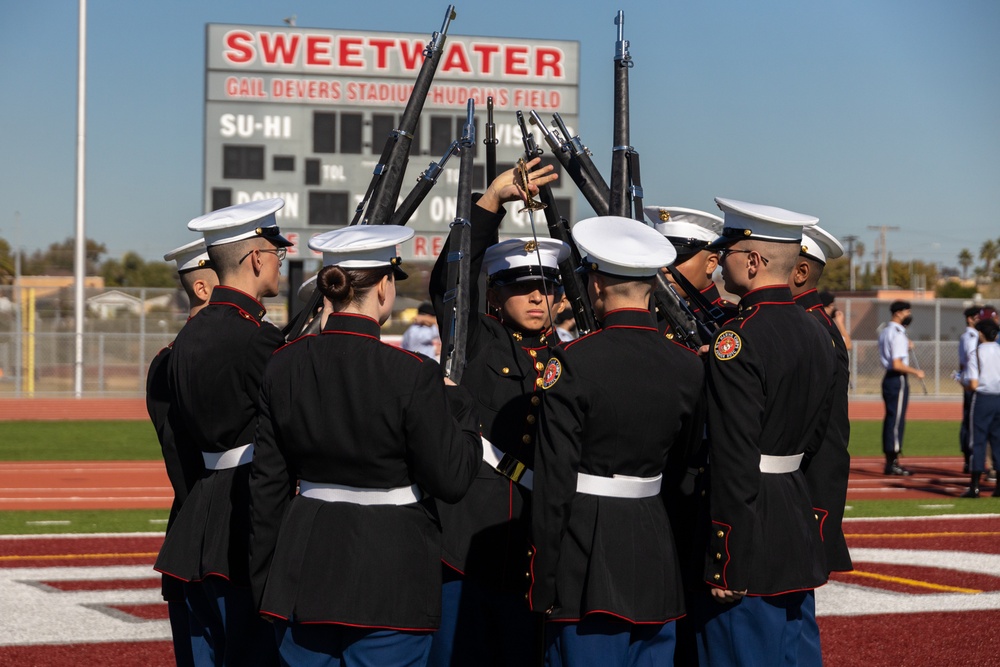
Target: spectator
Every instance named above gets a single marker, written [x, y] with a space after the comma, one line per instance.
[836, 315]
[966, 343]
[894, 350]
[422, 336]
[566, 325]
[983, 370]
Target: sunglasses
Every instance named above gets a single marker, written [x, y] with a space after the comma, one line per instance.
[280, 253]
[725, 252]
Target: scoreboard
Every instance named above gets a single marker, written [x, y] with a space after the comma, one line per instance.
[304, 114]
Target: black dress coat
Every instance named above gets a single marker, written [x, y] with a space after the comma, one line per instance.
[620, 401]
[214, 374]
[771, 378]
[341, 407]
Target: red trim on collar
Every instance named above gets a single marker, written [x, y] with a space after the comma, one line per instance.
[238, 291]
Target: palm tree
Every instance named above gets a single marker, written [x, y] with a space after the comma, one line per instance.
[988, 253]
[965, 261]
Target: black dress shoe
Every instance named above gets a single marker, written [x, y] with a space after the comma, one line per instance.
[897, 470]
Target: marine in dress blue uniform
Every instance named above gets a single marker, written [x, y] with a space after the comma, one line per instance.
[770, 380]
[605, 571]
[691, 232]
[183, 463]
[214, 374]
[487, 548]
[894, 353]
[828, 469]
[349, 569]
[983, 373]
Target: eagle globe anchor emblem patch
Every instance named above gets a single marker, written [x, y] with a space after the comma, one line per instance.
[551, 374]
[727, 346]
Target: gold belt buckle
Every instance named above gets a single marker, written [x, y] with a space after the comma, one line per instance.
[511, 468]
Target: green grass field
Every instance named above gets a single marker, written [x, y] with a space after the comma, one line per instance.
[136, 440]
[78, 441]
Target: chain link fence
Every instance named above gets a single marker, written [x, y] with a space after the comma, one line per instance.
[126, 327]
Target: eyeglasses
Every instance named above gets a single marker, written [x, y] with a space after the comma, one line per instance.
[280, 253]
[724, 252]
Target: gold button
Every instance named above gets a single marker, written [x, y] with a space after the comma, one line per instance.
[533, 353]
[526, 439]
[718, 556]
[505, 370]
[720, 534]
[530, 553]
[703, 492]
[527, 575]
[539, 365]
[816, 516]
[717, 577]
[539, 381]
[541, 339]
[531, 419]
[701, 470]
[535, 400]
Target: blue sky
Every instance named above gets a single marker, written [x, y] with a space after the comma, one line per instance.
[861, 112]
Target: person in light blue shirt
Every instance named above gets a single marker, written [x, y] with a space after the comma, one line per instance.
[422, 336]
[983, 372]
[966, 343]
[894, 350]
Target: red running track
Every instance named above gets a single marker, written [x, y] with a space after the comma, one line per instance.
[60, 485]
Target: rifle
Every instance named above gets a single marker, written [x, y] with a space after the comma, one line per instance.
[576, 291]
[427, 180]
[714, 316]
[491, 143]
[624, 158]
[305, 321]
[383, 191]
[575, 160]
[454, 333]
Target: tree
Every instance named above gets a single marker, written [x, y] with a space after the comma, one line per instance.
[988, 253]
[133, 271]
[965, 261]
[6, 263]
[58, 259]
[836, 276]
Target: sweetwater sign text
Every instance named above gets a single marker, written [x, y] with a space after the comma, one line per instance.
[304, 114]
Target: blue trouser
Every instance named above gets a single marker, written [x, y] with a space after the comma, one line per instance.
[180, 631]
[896, 394]
[604, 641]
[225, 626]
[964, 432]
[331, 645]
[985, 426]
[810, 653]
[480, 626]
[757, 631]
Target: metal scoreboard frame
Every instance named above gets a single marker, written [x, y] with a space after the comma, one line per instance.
[304, 113]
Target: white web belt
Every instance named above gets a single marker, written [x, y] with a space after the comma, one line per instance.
[618, 486]
[507, 465]
[777, 465]
[231, 458]
[341, 493]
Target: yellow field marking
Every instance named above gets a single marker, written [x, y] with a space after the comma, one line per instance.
[985, 533]
[143, 554]
[913, 582]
